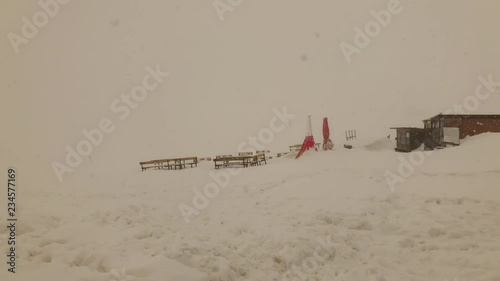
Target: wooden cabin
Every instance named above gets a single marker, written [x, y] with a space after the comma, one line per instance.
[468, 124]
[449, 129]
[445, 130]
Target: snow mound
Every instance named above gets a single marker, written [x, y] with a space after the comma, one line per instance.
[381, 144]
[477, 154]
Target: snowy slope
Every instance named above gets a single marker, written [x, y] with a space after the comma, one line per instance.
[268, 220]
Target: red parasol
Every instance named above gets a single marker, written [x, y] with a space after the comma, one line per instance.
[308, 141]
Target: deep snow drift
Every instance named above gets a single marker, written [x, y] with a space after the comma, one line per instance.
[440, 224]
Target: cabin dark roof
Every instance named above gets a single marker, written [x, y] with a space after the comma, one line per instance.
[411, 128]
[465, 116]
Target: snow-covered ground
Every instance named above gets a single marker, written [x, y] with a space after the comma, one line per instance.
[327, 216]
[442, 223]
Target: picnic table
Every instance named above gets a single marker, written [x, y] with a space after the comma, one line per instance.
[239, 161]
[170, 164]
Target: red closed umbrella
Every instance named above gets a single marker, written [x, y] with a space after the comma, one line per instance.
[326, 129]
[327, 143]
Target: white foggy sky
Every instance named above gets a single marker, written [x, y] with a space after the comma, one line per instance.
[226, 77]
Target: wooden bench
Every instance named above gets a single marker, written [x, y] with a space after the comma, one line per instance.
[239, 161]
[170, 164]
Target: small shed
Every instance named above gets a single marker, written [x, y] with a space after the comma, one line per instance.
[409, 138]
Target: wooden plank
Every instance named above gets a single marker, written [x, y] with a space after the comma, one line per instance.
[223, 156]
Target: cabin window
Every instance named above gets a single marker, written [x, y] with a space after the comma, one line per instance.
[404, 137]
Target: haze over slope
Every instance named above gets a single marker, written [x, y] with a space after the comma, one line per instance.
[227, 76]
